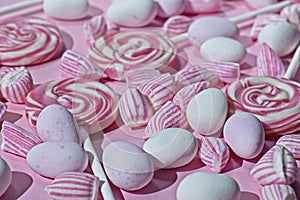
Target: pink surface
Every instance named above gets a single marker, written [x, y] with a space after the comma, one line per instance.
[28, 185]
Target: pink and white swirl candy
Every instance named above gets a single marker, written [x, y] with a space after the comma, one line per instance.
[135, 108]
[94, 28]
[137, 77]
[74, 186]
[292, 13]
[177, 24]
[292, 143]
[74, 64]
[124, 51]
[29, 42]
[3, 108]
[15, 84]
[275, 102]
[278, 192]
[269, 63]
[214, 153]
[16, 140]
[168, 116]
[93, 104]
[277, 166]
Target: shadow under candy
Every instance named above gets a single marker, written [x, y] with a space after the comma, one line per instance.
[248, 196]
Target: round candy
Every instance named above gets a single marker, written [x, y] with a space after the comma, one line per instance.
[29, 42]
[130, 50]
[202, 6]
[260, 3]
[5, 176]
[93, 104]
[167, 8]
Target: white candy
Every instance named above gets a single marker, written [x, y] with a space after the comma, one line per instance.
[5, 176]
[169, 8]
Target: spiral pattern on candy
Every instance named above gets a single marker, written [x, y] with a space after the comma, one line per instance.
[130, 50]
[29, 42]
[275, 102]
[93, 104]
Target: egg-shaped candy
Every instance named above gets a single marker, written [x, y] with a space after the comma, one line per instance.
[5, 176]
[260, 3]
[202, 6]
[50, 159]
[127, 165]
[208, 186]
[169, 8]
[206, 112]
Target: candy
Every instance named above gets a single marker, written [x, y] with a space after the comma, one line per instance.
[3, 108]
[202, 6]
[135, 78]
[278, 192]
[5, 176]
[291, 12]
[275, 102]
[260, 3]
[292, 143]
[94, 28]
[74, 185]
[16, 140]
[268, 63]
[15, 84]
[74, 64]
[168, 116]
[177, 24]
[214, 153]
[29, 42]
[168, 8]
[135, 109]
[125, 51]
[277, 166]
[93, 104]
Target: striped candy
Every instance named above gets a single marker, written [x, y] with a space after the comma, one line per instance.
[3, 108]
[94, 28]
[277, 166]
[292, 143]
[74, 186]
[228, 72]
[135, 78]
[214, 153]
[74, 64]
[291, 12]
[135, 108]
[16, 140]
[168, 116]
[15, 84]
[185, 94]
[278, 192]
[176, 25]
[159, 89]
[269, 63]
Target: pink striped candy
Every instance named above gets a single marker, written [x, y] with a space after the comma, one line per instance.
[292, 143]
[177, 24]
[277, 166]
[214, 153]
[193, 74]
[94, 28]
[16, 140]
[185, 94]
[3, 108]
[269, 63]
[74, 186]
[292, 13]
[15, 84]
[159, 89]
[168, 116]
[228, 72]
[135, 108]
[74, 64]
[262, 20]
[135, 78]
[278, 192]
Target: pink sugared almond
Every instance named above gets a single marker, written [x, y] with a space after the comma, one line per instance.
[193, 74]
[278, 192]
[3, 108]
[74, 186]
[15, 84]
[135, 108]
[262, 20]
[168, 116]
[176, 25]
[16, 140]
[94, 28]
[269, 63]
[159, 89]
[292, 143]
[74, 64]
[185, 94]
[134, 78]
[277, 166]
[214, 153]
[228, 72]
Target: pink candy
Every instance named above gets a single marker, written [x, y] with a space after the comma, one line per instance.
[202, 6]
[292, 143]
[3, 109]
[177, 24]
[291, 12]
[94, 28]
[135, 78]
[278, 192]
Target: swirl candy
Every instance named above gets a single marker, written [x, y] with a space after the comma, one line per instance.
[275, 102]
[130, 50]
[93, 104]
[29, 42]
